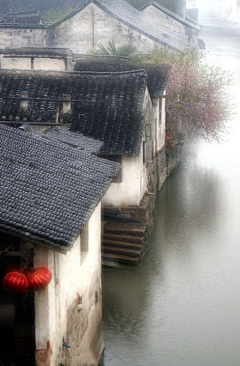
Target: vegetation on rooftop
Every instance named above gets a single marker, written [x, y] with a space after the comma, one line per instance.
[127, 50]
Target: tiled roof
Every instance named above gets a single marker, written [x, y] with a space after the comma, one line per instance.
[172, 14]
[21, 18]
[105, 106]
[37, 51]
[132, 17]
[157, 75]
[48, 189]
[76, 140]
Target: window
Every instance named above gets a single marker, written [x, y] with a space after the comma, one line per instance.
[148, 151]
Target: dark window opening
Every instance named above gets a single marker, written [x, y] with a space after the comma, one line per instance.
[17, 320]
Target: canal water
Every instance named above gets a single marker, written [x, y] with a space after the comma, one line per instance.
[181, 305]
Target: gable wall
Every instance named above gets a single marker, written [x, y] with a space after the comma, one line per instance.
[128, 192]
[91, 27]
[82, 33]
[57, 314]
[172, 24]
[135, 175]
[163, 18]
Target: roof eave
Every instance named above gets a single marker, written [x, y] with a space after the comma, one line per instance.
[169, 12]
[35, 239]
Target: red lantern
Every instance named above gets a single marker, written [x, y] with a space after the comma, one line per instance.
[15, 282]
[39, 278]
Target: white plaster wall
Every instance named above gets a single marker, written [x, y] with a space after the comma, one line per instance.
[144, 175]
[82, 33]
[156, 115]
[19, 37]
[128, 192]
[56, 307]
[47, 63]
[162, 130]
[91, 27]
[164, 19]
[134, 172]
[39, 63]
[20, 63]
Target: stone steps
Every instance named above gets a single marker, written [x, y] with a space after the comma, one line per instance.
[120, 227]
[109, 258]
[122, 242]
[123, 237]
[122, 251]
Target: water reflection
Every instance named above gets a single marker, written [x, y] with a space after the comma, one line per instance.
[180, 307]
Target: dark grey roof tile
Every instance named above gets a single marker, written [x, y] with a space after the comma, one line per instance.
[106, 106]
[157, 75]
[48, 191]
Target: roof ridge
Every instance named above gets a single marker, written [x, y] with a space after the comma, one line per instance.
[170, 12]
[46, 72]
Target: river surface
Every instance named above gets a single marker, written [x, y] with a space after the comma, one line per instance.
[181, 305]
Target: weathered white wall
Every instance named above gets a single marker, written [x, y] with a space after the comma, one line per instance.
[156, 117]
[20, 63]
[88, 28]
[32, 62]
[14, 37]
[81, 33]
[92, 26]
[57, 313]
[160, 112]
[162, 130]
[134, 172]
[172, 24]
[159, 16]
[47, 63]
[128, 192]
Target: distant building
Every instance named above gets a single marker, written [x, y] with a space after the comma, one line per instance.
[183, 25]
[31, 17]
[94, 22]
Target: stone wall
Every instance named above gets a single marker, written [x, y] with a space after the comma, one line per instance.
[173, 156]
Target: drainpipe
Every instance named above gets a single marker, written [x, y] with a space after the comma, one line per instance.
[92, 30]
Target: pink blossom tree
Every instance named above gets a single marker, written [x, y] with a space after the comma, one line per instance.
[198, 99]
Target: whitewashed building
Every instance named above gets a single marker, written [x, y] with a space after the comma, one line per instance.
[184, 25]
[123, 107]
[129, 118]
[51, 187]
[95, 22]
